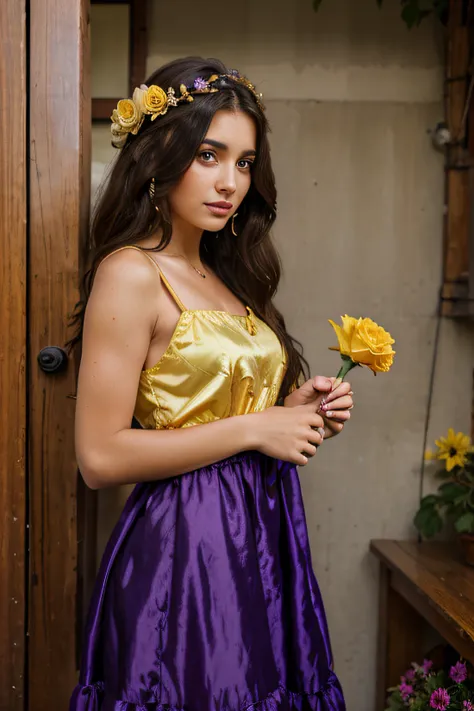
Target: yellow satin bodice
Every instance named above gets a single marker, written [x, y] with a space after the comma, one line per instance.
[216, 365]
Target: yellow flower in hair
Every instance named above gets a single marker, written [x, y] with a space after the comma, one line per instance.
[119, 135]
[155, 101]
[128, 116]
[139, 98]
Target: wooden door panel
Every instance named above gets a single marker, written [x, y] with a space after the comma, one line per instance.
[60, 127]
[12, 352]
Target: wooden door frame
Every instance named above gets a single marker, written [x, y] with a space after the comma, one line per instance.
[13, 324]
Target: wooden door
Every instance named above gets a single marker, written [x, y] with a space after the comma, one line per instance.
[59, 198]
[44, 209]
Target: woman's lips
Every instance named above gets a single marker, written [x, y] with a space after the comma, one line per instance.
[218, 210]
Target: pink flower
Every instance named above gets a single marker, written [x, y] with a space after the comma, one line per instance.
[467, 706]
[426, 666]
[410, 675]
[440, 699]
[458, 673]
[406, 690]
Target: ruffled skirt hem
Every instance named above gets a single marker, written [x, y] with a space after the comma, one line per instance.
[329, 698]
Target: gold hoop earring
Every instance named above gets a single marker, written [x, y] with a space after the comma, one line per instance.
[151, 192]
[233, 225]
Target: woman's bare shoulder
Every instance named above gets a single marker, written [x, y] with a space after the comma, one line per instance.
[129, 264]
[126, 290]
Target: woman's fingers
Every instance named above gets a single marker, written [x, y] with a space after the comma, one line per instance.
[340, 403]
[343, 389]
[340, 415]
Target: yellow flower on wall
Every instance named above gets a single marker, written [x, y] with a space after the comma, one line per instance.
[454, 449]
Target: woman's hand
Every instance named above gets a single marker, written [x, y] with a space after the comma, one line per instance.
[333, 405]
[291, 434]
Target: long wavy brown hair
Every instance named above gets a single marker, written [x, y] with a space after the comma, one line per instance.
[164, 149]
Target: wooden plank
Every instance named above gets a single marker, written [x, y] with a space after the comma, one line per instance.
[382, 640]
[400, 636]
[59, 198]
[453, 634]
[472, 405]
[12, 352]
[440, 577]
[456, 251]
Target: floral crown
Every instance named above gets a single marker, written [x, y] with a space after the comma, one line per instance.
[154, 101]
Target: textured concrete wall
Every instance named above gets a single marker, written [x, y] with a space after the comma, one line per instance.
[350, 96]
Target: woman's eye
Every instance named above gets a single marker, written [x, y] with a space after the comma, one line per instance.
[206, 153]
[210, 156]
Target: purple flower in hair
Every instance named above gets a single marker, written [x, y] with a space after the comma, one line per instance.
[467, 706]
[410, 675]
[200, 83]
[440, 699]
[458, 673]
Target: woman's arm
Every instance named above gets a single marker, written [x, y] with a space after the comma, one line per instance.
[120, 319]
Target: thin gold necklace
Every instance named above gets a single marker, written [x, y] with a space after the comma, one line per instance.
[167, 254]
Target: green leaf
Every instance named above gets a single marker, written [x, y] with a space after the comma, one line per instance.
[429, 500]
[453, 493]
[410, 14]
[465, 524]
[432, 683]
[421, 16]
[428, 521]
[395, 702]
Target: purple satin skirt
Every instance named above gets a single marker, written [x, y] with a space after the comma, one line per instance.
[206, 599]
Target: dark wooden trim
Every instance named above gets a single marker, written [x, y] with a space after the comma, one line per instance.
[102, 107]
[60, 132]
[457, 224]
[13, 365]
[138, 43]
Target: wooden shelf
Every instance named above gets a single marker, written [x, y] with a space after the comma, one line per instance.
[420, 583]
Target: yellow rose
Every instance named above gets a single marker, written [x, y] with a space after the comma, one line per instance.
[365, 343]
[139, 98]
[155, 101]
[119, 135]
[127, 115]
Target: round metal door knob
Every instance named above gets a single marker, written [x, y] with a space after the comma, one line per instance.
[52, 359]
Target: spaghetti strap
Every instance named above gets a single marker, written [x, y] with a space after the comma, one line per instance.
[163, 278]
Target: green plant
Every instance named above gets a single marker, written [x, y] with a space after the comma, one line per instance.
[414, 11]
[455, 497]
[423, 689]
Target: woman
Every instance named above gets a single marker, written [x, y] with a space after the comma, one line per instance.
[205, 598]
